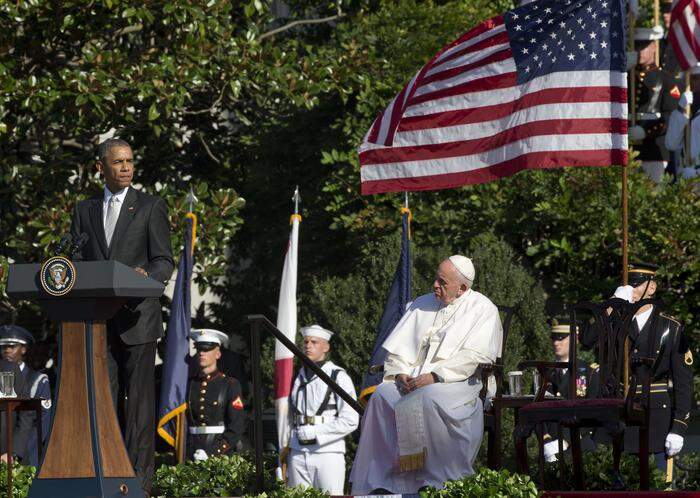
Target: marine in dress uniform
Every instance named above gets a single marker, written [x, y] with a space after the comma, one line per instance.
[14, 344]
[320, 420]
[660, 337]
[215, 414]
[559, 378]
[688, 167]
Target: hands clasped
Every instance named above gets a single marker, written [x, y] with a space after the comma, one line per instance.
[406, 383]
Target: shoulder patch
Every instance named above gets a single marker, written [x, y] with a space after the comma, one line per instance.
[688, 357]
[237, 403]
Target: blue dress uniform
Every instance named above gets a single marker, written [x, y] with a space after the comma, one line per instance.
[586, 380]
[215, 415]
[659, 337]
[672, 383]
[37, 387]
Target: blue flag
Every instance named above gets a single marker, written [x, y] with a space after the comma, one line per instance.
[399, 297]
[173, 392]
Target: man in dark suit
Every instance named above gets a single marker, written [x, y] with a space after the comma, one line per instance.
[131, 227]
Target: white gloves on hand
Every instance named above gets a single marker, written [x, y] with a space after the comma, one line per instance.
[550, 450]
[624, 292]
[686, 99]
[200, 455]
[306, 432]
[674, 444]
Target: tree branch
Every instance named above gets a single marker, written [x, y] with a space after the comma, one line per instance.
[210, 108]
[301, 22]
[206, 148]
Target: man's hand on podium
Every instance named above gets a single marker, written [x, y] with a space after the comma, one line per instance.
[140, 270]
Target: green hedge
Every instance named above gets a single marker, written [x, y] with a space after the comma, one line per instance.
[486, 482]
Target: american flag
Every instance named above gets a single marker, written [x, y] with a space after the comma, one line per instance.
[541, 86]
[684, 32]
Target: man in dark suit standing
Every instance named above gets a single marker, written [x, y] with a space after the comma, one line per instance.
[131, 227]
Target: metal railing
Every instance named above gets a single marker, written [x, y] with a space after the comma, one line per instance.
[257, 323]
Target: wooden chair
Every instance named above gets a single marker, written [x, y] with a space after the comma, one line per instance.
[493, 409]
[610, 407]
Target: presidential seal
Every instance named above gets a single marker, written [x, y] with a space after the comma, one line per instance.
[57, 276]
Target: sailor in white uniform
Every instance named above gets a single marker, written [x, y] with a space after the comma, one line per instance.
[675, 133]
[320, 420]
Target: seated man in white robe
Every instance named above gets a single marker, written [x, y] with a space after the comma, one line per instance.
[424, 423]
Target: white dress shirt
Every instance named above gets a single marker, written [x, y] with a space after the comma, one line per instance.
[119, 199]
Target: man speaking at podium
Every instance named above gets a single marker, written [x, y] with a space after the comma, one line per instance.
[131, 227]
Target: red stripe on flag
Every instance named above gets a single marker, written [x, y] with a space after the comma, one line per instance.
[685, 65]
[284, 369]
[501, 55]
[494, 82]
[497, 39]
[485, 26]
[468, 147]
[535, 160]
[491, 112]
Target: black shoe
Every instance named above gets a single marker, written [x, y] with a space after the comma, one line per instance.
[381, 491]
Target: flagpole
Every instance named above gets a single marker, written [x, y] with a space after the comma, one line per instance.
[688, 160]
[632, 84]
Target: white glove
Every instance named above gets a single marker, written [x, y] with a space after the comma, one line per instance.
[200, 455]
[306, 432]
[674, 444]
[686, 99]
[624, 292]
[550, 450]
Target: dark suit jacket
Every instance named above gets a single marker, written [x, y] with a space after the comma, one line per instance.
[141, 239]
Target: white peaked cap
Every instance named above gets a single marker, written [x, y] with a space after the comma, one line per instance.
[209, 335]
[464, 266]
[316, 331]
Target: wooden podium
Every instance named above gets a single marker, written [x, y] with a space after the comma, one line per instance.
[85, 453]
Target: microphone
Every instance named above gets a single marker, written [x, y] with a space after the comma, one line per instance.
[63, 244]
[78, 243]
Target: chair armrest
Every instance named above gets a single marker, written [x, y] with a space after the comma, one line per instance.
[494, 368]
[542, 364]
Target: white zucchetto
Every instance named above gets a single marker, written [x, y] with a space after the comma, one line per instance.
[464, 266]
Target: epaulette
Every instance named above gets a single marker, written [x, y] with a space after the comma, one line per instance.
[672, 318]
[595, 366]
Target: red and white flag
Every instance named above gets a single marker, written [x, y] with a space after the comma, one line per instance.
[287, 324]
[684, 32]
[540, 86]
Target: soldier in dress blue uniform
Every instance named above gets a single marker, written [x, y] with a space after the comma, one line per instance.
[559, 378]
[214, 406]
[15, 341]
[660, 337]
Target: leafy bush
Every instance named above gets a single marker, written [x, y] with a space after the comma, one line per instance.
[486, 482]
[221, 476]
[21, 479]
[282, 491]
[597, 468]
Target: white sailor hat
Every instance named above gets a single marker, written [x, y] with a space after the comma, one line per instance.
[210, 336]
[316, 331]
[14, 334]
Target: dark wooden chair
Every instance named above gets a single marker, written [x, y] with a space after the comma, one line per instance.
[493, 409]
[610, 408]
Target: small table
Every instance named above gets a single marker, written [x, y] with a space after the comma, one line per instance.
[9, 406]
[503, 402]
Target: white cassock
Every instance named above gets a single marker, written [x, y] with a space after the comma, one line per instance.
[320, 465]
[675, 139]
[432, 434]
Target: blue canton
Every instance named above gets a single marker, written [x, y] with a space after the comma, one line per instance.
[548, 36]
